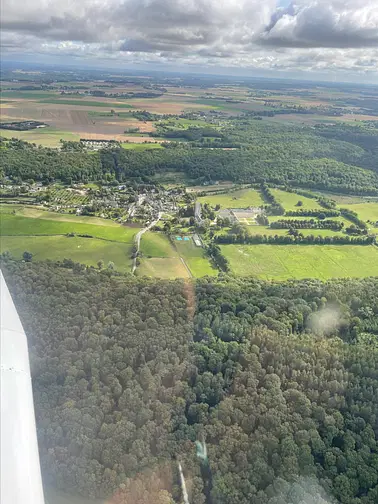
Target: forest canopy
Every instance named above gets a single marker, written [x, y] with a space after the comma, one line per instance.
[315, 158]
[279, 379]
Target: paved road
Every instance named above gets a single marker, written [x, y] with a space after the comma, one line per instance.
[139, 236]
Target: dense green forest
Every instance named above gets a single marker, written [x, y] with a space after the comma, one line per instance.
[315, 158]
[279, 379]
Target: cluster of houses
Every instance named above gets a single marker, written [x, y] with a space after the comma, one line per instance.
[98, 144]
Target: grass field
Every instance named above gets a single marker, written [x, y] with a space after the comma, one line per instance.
[162, 267]
[281, 262]
[289, 200]
[84, 250]
[195, 259]
[27, 95]
[365, 211]
[41, 213]
[48, 137]
[85, 103]
[162, 259]
[141, 146]
[156, 245]
[16, 225]
[234, 199]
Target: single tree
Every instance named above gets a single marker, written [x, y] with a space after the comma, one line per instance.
[27, 256]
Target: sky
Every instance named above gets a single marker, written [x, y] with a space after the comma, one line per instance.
[334, 40]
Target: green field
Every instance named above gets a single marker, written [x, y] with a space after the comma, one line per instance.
[281, 262]
[27, 95]
[85, 103]
[48, 137]
[84, 250]
[242, 198]
[162, 259]
[289, 200]
[141, 146]
[162, 267]
[156, 245]
[16, 225]
[41, 213]
[365, 211]
[195, 259]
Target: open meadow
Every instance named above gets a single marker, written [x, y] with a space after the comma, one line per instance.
[282, 262]
[44, 234]
[15, 225]
[366, 211]
[195, 258]
[83, 250]
[242, 198]
[290, 200]
[162, 258]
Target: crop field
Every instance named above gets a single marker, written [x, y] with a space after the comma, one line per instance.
[290, 200]
[28, 95]
[168, 105]
[242, 198]
[85, 103]
[68, 197]
[16, 225]
[282, 262]
[84, 250]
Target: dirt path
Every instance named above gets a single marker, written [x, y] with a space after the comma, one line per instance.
[186, 267]
[139, 236]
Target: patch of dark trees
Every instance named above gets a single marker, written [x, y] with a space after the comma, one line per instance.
[294, 237]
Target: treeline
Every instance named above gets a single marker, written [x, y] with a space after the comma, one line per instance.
[320, 214]
[255, 165]
[274, 208]
[220, 261]
[353, 217]
[279, 379]
[190, 134]
[293, 238]
[307, 224]
[132, 94]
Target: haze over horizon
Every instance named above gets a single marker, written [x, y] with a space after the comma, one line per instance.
[334, 40]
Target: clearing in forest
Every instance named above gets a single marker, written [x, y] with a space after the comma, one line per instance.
[242, 198]
[289, 200]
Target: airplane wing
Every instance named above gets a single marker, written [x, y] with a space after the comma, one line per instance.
[21, 480]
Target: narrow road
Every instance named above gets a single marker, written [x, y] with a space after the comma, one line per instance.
[139, 236]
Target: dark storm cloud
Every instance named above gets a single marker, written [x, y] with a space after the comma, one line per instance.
[174, 25]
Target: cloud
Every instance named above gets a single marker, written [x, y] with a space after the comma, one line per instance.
[324, 23]
[309, 35]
